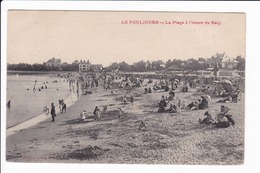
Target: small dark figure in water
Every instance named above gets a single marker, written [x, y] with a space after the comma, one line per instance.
[42, 87]
[8, 104]
[39, 89]
[45, 86]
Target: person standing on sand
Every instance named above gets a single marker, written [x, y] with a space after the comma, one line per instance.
[53, 112]
[34, 85]
[132, 100]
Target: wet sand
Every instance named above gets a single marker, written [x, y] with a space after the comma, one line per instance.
[70, 100]
[168, 138]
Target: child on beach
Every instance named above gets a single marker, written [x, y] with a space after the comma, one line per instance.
[142, 126]
[178, 108]
[83, 115]
[172, 109]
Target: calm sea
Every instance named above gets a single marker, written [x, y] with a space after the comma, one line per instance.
[26, 103]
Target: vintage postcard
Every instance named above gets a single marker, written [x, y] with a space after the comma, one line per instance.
[125, 87]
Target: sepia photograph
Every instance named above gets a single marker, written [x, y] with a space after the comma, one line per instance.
[125, 87]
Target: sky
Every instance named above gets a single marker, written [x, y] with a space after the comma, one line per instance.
[107, 37]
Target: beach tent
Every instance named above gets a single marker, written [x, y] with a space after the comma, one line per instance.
[226, 84]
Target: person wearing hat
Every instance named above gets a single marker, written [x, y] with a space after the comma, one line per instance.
[222, 121]
[203, 103]
[208, 119]
[53, 112]
[224, 111]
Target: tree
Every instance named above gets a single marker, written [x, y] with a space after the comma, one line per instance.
[113, 66]
[148, 66]
[139, 66]
[193, 65]
[241, 63]
[123, 66]
[168, 63]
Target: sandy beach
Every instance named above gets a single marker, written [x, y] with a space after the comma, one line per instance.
[169, 138]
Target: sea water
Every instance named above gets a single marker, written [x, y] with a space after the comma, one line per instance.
[26, 103]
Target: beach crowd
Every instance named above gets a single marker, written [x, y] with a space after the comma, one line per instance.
[226, 90]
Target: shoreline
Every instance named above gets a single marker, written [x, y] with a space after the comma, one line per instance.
[14, 72]
[70, 100]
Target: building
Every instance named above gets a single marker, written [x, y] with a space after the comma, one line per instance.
[96, 67]
[215, 60]
[84, 66]
[88, 67]
[53, 62]
[227, 63]
[221, 61]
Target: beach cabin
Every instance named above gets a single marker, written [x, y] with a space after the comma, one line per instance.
[205, 73]
[227, 74]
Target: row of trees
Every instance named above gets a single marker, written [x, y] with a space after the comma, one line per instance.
[42, 67]
[175, 65]
[141, 66]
